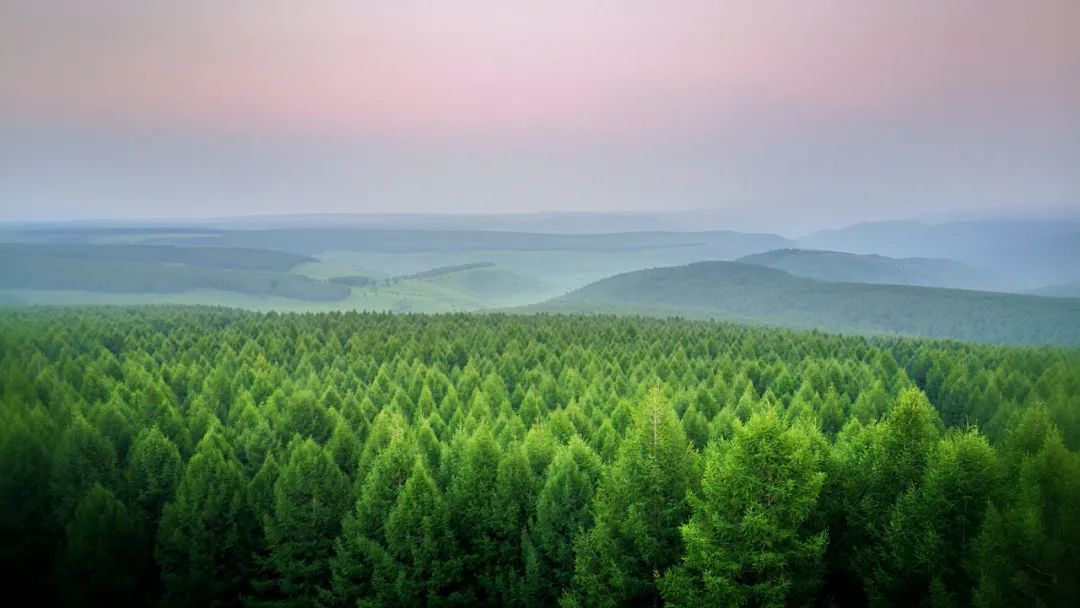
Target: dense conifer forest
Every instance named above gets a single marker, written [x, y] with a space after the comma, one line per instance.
[210, 457]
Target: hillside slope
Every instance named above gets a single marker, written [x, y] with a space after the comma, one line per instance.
[1028, 253]
[743, 292]
[872, 268]
[725, 244]
[130, 269]
[1060, 290]
[209, 257]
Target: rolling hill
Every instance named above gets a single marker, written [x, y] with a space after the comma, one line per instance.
[872, 268]
[312, 241]
[1060, 290]
[75, 274]
[82, 273]
[748, 293]
[209, 257]
[159, 270]
[1027, 253]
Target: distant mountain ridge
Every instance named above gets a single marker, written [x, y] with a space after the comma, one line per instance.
[757, 294]
[1026, 253]
[874, 268]
[1060, 290]
[305, 241]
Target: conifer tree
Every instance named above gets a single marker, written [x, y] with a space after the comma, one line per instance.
[26, 515]
[361, 543]
[205, 540]
[100, 564]
[310, 497]
[476, 513]
[153, 473]
[344, 448]
[1026, 553]
[563, 511]
[422, 564]
[892, 464]
[305, 416]
[82, 458]
[638, 510]
[746, 541]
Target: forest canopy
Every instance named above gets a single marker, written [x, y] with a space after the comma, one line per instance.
[200, 456]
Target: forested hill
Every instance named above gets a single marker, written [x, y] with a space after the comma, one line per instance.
[1062, 290]
[149, 269]
[747, 293]
[1030, 253]
[210, 257]
[212, 457]
[854, 268]
[718, 243]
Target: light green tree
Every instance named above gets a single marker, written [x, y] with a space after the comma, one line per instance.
[747, 542]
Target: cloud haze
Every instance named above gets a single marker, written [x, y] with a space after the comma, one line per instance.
[823, 110]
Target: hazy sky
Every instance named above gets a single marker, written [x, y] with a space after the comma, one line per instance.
[809, 112]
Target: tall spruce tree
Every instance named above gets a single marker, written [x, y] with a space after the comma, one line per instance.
[205, 541]
[311, 496]
[563, 512]
[100, 564]
[638, 510]
[747, 541]
[421, 565]
[361, 543]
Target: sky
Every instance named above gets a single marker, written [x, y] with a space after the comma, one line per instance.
[810, 113]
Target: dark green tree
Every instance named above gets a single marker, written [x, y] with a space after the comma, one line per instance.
[563, 512]
[153, 472]
[100, 564]
[361, 543]
[310, 498]
[420, 565]
[205, 540]
[82, 458]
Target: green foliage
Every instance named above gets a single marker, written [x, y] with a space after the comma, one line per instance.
[210, 257]
[153, 473]
[142, 269]
[205, 541]
[421, 564]
[747, 542]
[99, 564]
[746, 293]
[361, 545]
[26, 516]
[638, 510]
[194, 457]
[563, 512]
[870, 268]
[1027, 552]
[83, 457]
[310, 498]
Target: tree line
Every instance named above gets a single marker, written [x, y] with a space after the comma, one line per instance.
[208, 457]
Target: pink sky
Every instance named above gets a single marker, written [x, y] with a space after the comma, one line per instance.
[511, 69]
[787, 80]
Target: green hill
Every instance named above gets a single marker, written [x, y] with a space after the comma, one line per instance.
[872, 268]
[747, 293]
[313, 241]
[1028, 253]
[210, 257]
[1060, 290]
[131, 269]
